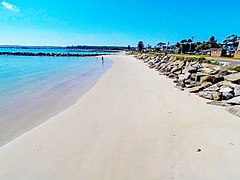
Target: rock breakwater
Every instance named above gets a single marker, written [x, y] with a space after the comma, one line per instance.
[217, 82]
[47, 54]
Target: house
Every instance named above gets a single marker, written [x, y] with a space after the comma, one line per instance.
[237, 53]
[231, 48]
[173, 50]
[216, 52]
[206, 52]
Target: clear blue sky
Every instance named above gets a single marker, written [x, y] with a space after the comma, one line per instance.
[110, 22]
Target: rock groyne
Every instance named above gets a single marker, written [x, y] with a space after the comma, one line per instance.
[47, 54]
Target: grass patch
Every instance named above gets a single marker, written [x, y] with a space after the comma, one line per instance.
[213, 62]
[237, 68]
[180, 58]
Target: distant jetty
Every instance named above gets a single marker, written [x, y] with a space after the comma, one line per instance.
[48, 54]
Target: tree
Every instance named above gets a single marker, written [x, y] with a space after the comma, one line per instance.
[178, 45]
[129, 47]
[189, 41]
[231, 39]
[184, 41]
[140, 46]
[228, 41]
[160, 45]
[184, 45]
[149, 46]
[212, 43]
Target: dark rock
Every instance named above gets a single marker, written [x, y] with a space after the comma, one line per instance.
[212, 79]
[198, 76]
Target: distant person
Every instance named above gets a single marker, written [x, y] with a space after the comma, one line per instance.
[102, 60]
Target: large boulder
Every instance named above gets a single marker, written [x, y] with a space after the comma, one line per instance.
[175, 69]
[196, 65]
[206, 94]
[195, 89]
[206, 70]
[198, 88]
[181, 78]
[233, 78]
[237, 90]
[227, 92]
[227, 95]
[226, 83]
[206, 85]
[212, 88]
[225, 89]
[234, 101]
[198, 76]
[212, 79]
[187, 75]
[212, 95]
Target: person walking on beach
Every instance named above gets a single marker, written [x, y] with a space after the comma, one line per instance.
[102, 60]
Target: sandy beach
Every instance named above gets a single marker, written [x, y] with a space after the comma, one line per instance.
[133, 124]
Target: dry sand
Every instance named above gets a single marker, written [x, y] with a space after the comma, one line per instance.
[131, 125]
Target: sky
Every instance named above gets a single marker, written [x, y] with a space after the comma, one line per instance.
[111, 22]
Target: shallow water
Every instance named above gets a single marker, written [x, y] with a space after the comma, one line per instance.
[33, 89]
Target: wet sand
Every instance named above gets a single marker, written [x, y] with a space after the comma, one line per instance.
[46, 102]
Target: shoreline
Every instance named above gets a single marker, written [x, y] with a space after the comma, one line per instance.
[33, 110]
[132, 124]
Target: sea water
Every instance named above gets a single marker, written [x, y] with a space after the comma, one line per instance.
[54, 50]
[33, 89]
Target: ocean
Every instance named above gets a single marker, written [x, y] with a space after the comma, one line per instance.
[54, 50]
[33, 89]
